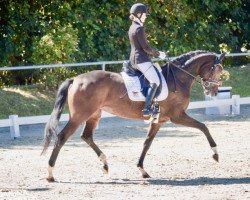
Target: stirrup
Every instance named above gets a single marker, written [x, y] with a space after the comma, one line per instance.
[152, 111]
[147, 112]
[154, 117]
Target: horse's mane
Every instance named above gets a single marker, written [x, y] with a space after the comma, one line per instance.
[180, 60]
[196, 56]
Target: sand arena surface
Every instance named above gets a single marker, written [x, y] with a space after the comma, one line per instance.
[179, 162]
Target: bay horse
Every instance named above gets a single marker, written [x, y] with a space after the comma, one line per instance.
[90, 93]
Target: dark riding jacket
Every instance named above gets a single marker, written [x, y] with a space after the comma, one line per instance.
[140, 49]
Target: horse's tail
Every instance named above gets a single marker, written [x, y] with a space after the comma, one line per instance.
[52, 125]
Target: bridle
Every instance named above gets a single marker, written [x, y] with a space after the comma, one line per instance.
[206, 84]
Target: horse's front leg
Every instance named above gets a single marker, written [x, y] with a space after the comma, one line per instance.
[153, 129]
[186, 120]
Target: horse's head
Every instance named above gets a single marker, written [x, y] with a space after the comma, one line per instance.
[211, 76]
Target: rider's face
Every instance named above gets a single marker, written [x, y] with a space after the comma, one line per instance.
[143, 17]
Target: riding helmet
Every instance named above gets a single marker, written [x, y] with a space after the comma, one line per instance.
[139, 8]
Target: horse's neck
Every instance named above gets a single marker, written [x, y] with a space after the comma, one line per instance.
[180, 61]
[177, 78]
[186, 77]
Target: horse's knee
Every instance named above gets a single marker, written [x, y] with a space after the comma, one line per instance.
[86, 138]
[203, 127]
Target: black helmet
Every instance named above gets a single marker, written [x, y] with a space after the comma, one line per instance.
[139, 8]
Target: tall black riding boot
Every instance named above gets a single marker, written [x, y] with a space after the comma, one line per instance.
[147, 111]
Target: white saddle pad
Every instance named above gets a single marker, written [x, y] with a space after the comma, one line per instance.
[133, 86]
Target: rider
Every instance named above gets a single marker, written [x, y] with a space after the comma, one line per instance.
[140, 51]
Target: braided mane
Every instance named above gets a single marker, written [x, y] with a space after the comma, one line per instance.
[180, 60]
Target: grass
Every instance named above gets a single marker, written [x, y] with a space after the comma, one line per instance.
[240, 80]
[25, 101]
[34, 100]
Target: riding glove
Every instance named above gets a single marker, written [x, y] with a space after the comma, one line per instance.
[162, 55]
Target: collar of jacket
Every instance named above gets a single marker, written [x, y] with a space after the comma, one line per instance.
[136, 20]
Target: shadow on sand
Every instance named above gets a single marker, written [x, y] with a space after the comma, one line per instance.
[178, 182]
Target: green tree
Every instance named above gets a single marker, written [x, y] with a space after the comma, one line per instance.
[85, 30]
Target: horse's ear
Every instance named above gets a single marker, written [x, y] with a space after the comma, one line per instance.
[222, 57]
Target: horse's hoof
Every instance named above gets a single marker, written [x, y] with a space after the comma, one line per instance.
[143, 172]
[145, 175]
[50, 179]
[105, 169]
[216, 157]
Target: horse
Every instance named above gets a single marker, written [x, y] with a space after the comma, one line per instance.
[91, 93]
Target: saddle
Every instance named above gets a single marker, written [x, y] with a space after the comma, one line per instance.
[137, 85]
[131, 71]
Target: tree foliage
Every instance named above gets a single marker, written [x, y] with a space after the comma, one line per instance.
[61, 31]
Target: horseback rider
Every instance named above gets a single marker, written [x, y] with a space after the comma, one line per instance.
[140, 51]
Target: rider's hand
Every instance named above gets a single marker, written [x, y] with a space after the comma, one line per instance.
[162, 55]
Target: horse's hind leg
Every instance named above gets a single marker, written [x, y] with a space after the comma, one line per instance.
[186, 120]
[87, 136]
[62, 137]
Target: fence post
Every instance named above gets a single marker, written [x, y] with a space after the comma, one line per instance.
[103, 66]
[236, 105]
[14, 126]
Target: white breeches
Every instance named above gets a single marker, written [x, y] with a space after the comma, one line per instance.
[149, 72]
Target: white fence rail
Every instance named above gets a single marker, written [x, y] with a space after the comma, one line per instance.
[101, 63]
[14, 121]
